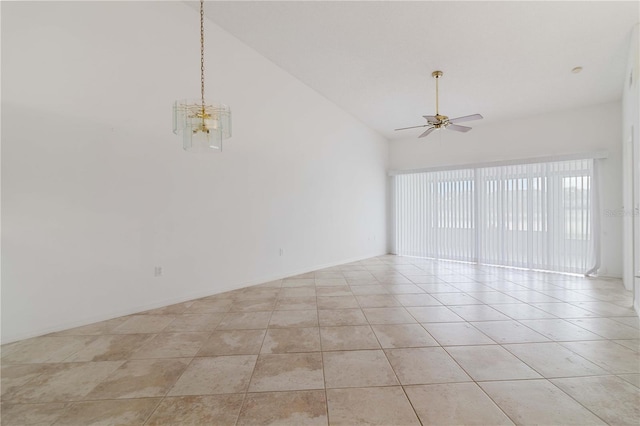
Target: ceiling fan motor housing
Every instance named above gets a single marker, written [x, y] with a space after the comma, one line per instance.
[443, 121]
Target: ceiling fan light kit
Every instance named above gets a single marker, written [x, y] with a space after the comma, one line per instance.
[440, 121]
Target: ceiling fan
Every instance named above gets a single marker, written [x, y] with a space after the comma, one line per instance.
[442, 121]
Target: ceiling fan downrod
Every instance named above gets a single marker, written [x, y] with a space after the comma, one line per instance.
[441, 118]
[436, 75]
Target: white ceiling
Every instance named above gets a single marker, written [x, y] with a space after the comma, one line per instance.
[502, 59]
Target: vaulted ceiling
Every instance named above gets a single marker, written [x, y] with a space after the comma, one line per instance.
[504, 60]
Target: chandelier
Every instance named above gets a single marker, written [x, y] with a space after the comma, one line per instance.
[203, 126]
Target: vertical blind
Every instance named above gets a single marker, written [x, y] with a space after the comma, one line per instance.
[536, 216]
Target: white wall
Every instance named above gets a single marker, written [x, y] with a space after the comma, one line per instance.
[96, 190]
[631, 170]
[595, 128]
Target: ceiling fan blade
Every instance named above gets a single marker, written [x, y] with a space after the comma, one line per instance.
[431, 119]
[426, 133]
[458, 128]
[466, 118]
[412, 127]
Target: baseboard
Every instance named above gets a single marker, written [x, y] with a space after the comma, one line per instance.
[315, 268]
[614, 277]
[172, 301]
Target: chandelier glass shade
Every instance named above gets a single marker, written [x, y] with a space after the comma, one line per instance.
[202, 126]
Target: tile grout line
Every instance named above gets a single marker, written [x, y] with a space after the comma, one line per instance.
[255, 365]
[324, 378]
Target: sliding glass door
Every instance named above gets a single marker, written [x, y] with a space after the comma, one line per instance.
[537, 216]
[435, 215]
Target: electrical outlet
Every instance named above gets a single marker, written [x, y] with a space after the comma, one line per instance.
[157, 271]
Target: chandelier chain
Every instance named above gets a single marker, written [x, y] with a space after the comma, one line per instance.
[202, 53]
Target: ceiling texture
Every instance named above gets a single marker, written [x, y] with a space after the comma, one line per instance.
[504, 60]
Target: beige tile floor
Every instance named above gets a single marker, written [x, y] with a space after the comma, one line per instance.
[388, 340]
